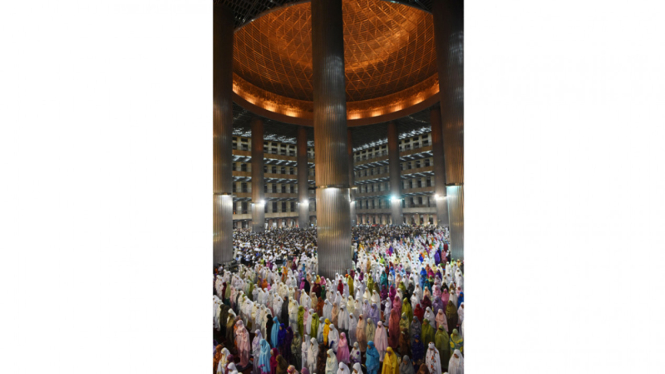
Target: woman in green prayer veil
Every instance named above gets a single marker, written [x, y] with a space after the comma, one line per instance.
[427, 332]
[301, 320]
[407, 309]
[315, 325]
[442, 343]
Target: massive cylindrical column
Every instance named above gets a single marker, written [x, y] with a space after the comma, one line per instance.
[303, 187]
[439, 167]
[352, 192]
[332, 164]
[395, 174]
[448, 19]
[258, 194]
[222, 130]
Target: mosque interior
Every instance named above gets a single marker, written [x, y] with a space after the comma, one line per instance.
[338, 186]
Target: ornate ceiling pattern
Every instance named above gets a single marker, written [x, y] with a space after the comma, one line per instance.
[387, 48]
[390, 60]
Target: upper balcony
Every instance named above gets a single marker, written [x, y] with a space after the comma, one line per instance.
[406, 155]
[412, 154]
[424, 171]
[405, 192]
[268, 158]
[383, 177]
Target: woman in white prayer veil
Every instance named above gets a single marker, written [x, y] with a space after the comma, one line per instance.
[269, 296]
[261, 296]
[248, 304]
[304, 299]
[453, 296]
[256, 351]
[221, 367]
[284, 291]
[358, 286]
[331, 363]
[339, 298]
[433, 359]
[429, 315]
[459, 279]
[319, 333]
[366, 294]
[353, 324]
[456, 363]
[261, 319]
[366, 308]
[333, 338]
[343, 369]
[304, 349]
[327, 309]
[343, 318]
[427, 293]
[255, 310]
[351, 305]
[419, 293]
[277, 306]
[233, 296]
[375, 298]
[308, 322]
[231, 369]
[400, 293]
[358, 308]
[293, 313]
[216, 311]
[315, 301]
[312, 353]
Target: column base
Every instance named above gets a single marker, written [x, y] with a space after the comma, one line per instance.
[334, 231]
[455, 197]
[222, 242]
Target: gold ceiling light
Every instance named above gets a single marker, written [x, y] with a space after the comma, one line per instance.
[389, 57]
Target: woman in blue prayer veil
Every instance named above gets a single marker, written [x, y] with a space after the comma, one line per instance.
[274, 334]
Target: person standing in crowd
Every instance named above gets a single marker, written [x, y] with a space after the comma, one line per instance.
[372, 361]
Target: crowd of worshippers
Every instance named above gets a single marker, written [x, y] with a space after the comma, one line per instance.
[273, 246]
[400, 310]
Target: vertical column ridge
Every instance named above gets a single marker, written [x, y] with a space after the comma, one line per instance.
[332, 166]
[395, 174]
[223, 25]
[352, 191]
[303, 186]
[448, 17]
[439, 168]
[258, 192]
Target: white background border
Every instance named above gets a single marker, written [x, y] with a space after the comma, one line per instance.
[105, 139]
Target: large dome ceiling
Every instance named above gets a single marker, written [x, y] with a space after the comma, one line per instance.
[389, 56]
